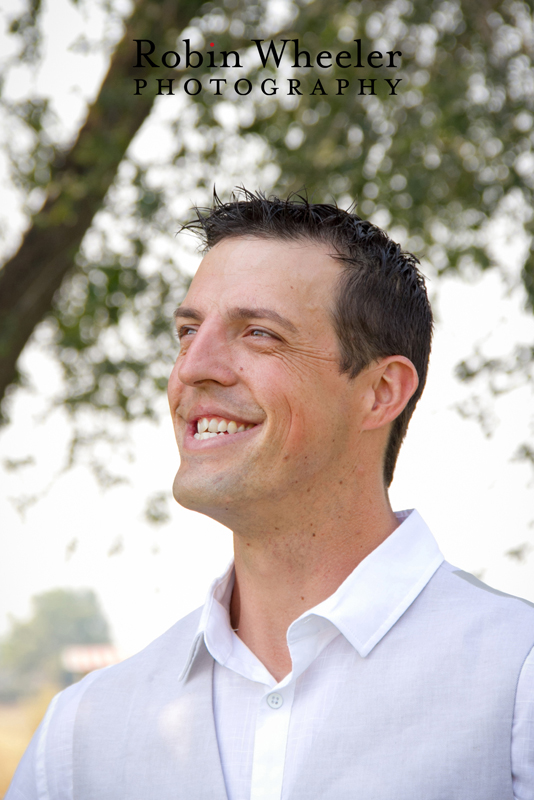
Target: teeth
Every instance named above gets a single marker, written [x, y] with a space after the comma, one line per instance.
[207, 435]
[206, 428]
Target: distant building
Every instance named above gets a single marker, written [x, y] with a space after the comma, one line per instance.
[80, 659]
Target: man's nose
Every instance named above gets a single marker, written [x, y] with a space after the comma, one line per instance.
[207, 357]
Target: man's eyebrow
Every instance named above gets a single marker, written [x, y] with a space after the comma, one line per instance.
[262, 313]
[239, 313]
[187, 313]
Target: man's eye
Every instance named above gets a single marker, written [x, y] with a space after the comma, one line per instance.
[259, 332]
[185, 330]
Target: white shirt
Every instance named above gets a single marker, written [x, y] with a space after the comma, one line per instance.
[263, 746]
[265, 729]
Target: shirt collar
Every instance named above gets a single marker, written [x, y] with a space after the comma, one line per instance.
[376, 594]
[364, 608]
[214, 625]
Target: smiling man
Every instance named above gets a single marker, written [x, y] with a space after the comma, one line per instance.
[339, 656]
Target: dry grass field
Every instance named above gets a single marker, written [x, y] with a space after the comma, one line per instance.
[18, 723]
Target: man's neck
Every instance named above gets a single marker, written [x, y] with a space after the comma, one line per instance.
[281, 573]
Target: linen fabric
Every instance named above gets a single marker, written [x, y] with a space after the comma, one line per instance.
[412, 679]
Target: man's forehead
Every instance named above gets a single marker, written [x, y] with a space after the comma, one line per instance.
[255, 250]
[253, 278]
[268, 263]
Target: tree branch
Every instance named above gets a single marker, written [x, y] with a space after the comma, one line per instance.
[29, 280]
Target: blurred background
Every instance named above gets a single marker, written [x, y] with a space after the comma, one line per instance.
[95, 559]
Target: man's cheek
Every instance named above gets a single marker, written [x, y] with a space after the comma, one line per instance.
[174, 391]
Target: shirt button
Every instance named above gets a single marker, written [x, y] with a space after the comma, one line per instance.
[275, 700]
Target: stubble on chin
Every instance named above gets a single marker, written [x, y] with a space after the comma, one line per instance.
[208, 493]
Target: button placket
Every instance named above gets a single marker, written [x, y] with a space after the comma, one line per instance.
[270, 743]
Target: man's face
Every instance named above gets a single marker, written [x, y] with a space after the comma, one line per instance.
[258, 349]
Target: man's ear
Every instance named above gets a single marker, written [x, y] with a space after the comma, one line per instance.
[393, 380]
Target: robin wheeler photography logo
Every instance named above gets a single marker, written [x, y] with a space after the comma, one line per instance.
[356, 70]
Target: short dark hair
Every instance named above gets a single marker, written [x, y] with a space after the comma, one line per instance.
[381, 306]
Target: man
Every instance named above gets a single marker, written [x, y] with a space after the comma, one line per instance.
[340, 657]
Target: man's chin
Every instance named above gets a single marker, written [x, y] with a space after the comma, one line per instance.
[203, 496]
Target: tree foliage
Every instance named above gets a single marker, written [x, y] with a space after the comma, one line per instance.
[30, 653]
[443, 165]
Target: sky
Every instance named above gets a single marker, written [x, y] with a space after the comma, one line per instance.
[476, 499]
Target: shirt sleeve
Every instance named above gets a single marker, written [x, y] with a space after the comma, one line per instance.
[523, 733]
[45, 770]
[26, 784]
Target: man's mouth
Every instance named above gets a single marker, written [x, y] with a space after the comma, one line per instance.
[218, 426]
